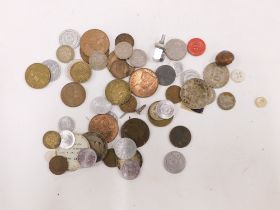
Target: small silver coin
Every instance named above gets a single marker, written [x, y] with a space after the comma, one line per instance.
[237, 76]
[66, 123]
[166, 75]
[54, 68]
[165, 109]
[175, 49]
[187, 75]
[226, 101]
[100, 105]
[216, 76]
[87, 157]
[130, 169]
[138, 58]
[67, 139]
[177, 66]
[174, 162]
[123, 50]
[125, 148]
[98, 60]
[69, 37]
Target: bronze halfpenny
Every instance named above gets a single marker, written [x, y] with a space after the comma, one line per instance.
[58, 165]
[73, 94]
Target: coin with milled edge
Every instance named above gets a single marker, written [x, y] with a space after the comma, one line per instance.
[175, 49]
[87, 157]
[177, 66]
[125, 148]
[67, 139]
[98, 60]
[226, 101]
[37, 75]
[123, 50]
[66, 123]
[54, 68]
[180, 136]
[73, 94]
[120, 69]
[130, 105]
[260, 102]
[173, 94]
[51, 139]
[237, 76]
[224, 58]
[110, 160]
[65, 53]
[58, 165]
[137, 157]
[196, 46]
[80, 72]
[100, 105]
[166, 75]
[130, 169]
[138, 58]
[216, 76]
[69, 37]
[187, 75]
[165, 109]
[117, 91]
[174, 162]
[124, 37]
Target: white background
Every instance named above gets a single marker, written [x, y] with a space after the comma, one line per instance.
[233, 161]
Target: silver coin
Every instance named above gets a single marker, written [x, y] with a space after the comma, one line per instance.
[123, 50]
[165, 109]
[54, 68]
[187, 75]
[212, 96]
[237, 76]
[67, 139]
[226, 101]
[177, 66]
[113, 114]
[130, 169]
[66, 123]
[69, 37]
[175, 49]
[125, 148]
[100, 105]
[87, 157]
[98, 60]
[166, 75]
[216, 76]
[174, 162]
[138, 58]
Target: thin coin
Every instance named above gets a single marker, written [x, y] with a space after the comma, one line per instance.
[173, 94]
[87, 157]
[124, 37]
[137, 130]
[98, 60]
[174, 162]
[67, 139]
[224, 58]
[110, 160]
[143, 82]
[123, 50]
[117, 91]
[51, 139]
[73, 94]
[165, 109]
[80, 72]
[216, 76]
[65, 53]
[84, 56]
[130, 169]
[166, 75]
[177, 66]
[66, 123]
[260, 102]
[137, 157]
[187, 75]
[138, 58]
[58, 165]
[237, 76]
[106, 125]
[111, 59]
[196, 46]
[37, 75]
[100, 105]
[54, 68]
[120, 69]
[69, 37]
[130, 105]
[125, 148]
[180, 136]
[175, 49]
[226, 101]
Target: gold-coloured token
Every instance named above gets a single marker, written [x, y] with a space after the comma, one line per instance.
[37, 75]
[51, 139]
[117, 91]
[260, 102]
[80, 72]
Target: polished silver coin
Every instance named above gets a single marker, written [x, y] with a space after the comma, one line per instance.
[54, 68]
[66, 123]
[177, 66]
[123, 50]
[237, 76]
[130, 169]
[67, 139]
[98, 60]
[175, 49]
[187, 75]
[87, 157]
[226, 101]
[125, 148]
[100, 105]
[69, 37]
[174, 162]
[216, 76]
[166, 75]
[165, 109]
[138, 58]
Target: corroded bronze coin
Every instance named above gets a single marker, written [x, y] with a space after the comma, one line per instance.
[137, 130]
[224, 58]
[73, 94]
[106, 125]
[80, 71]
[65, 53]
[110, 160]
[155, 119]
[173, 94]
[226, 100]
[120, 69]
[51, 139]
[130, 105]
[117, 91]
[37, 75]
[143, 82]
[84, 56]
[124, 37]
[137, 157]
[58, 165]
[180, 136]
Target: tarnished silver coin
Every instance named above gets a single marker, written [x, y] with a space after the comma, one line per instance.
[166, 75]
[66, 123]
[260, 102]
[189, 74]
[177, 66]
[69, 37]
[226, 101]
[212, 96]
[87, 157]
[165, 109]
[67, 139]
[98, 60]
[237, 76]
[125, 148]
[175, 49]
[130, 169]
[123, 50]
[100, 105]
[138, 58]
[174, 162]
[216, 76]
[54, 68]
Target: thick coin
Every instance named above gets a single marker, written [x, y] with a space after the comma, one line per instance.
[37, 75]
[106, 125]
[111, 59]
[137, 130]
[130, 105]
[110, 160]
[177, 66]
[224, 58]
[51, 139]
[124, 37]
[196, 46]
[117, 91]
[98, 60]
[137, 157]
[130, 169]
[173, 94]
[80, 72]
[66, 123]
[100, 105]
[165, 109]
[120, 69]
[187, 75]
[143, 82]
[216, 76]
[123, 50]
[159, 123]
[84, 56]
[180, 136]
[174, 162]
[175, 49]
[54, 68]
[67, 139]
[125, 148]
[237, 76]
[73, 94]
[69, 37]
[166, 75]
[87, 157]
[226, 101]
[138, 58]
[58, 165]
[260, 102]
[65, 53]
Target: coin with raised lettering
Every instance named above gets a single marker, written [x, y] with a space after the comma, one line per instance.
[100, 105]
[180, 136]
[175, 49]
[123, 50]
[137, 157]
[216, 76]
[66, 123]
[224, 58]
[110, 160]
[117, 91]
[165, 109]
[67, 139]
[54, 68]
[65, 53]
[80, 72]
[37, 75]
[51, 139]
[260, 102]
[120, 69]
[174, 162]
[237, 76]
[166, 75]
[125, 148]
[124, 37]
[130, 105]
[187, 75]
[138, 58]
[173, 94]
[226, 100]
[58, 165]
[87, 157]
[69, 37]
[130, 169]
[98, 60]
[73, 94]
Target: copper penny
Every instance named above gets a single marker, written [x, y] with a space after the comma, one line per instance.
[224, 58]
[143, 82]
[111, 160]
[106, 125]
[73, 94]
[173, 94]
[58, 165]
[137, 157]
[51, 139]
[124, 37]
[120, 69]
[180, 136]
[117, 91]
[130, 105]
[80, 71]
[84, 56]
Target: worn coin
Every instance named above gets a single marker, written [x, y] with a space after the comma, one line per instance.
[69, 37]
[130, 169]
[130, 105]
[226, 101]
[165, 109]
[100, 105]
[187, 75]
[124, 37]
[113, 114]
[143, 82]
[166, 75]
[174, 162]
[137, 157]
[51, 139]
[37, 75]
[180, 136]
[177, 66]
[155, 119]
[84, 56]
[237, 76]
[173, 94]
[198, 110]
[120, 69]
[67, 139]
[73, 94]
[117, 91]
[58, 165]
[80, 72]
[216, 76]
[111, 59]
[54, 68]
[175, 49]
[65, 53]
[212, 96]
[110, 160]
[87, 157]
[260, 102]
[153, 111]
[125, 148]
[138, 58]
[66, 123]
[69, 66]
[224, 58]
[98, 60]
[123, 50]
[196, 46]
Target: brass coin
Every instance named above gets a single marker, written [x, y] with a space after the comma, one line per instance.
[173, 94]
[51, 139]
[137, 130]
[180, 136]
[111, 160]
[58, 165]
[80, 71]
[137, 157]
[117, 91]
[84, 56]
[120, 69]
[73, 94]
[155, 119]
[153, 111]
[130, 105]
[37, 75]
[124, 37]
[224, 58]
[65, 53]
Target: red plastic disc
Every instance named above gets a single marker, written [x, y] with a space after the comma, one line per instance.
[196, 46]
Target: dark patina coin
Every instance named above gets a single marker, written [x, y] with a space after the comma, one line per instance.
[58, 165]
[173, 94]
[110, 160]
[166, 75]
[180, 136]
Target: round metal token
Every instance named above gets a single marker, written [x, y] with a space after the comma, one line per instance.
[51, 139]
[130, 105]
[80, 71]
[155, 119]
[110, 160]
[73, 94]
[260, 102]
[180, 136]
[69, 37]
[120, 69]
[138, 58]
[130, 169]
[54, 68]
[67, 139]
[165, 109]
[174, 162]
[87, 157]
[58, 165]
[66, 123]
[117, 91]
[37, 75]
[226, 101]
[173, 94]
[196, 46]
[125, 148]
[175, 49]
[237, 76]
[166, 75]
[123, 50]
[224, 58]
[100, 105]
[65, 53]
[216, 76]
[98, 60]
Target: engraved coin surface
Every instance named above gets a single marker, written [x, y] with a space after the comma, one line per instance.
[138, 58]
[224, 58]
[237, 76]
[37, 76]
[117, 91]
[166, 75]
[260, 102]
[216, 76]
[100, 105]
[165, 109]
[69, 37]
[73, 94]
[226, 101]
[67, 139]
[180, 136]
[177, 66]
[51, 139]
[125, 148]
[130, 105]
[120, 69]
[173, 94]
[174, 162]
[111, 160]
[80, 72]
[187, 75]
[175, 49]
[58, 165]
[130, 169]
[123, 50]
[124, 37]
[196, 46]
[137, 157]
[66, 123]
[65, 53]
[98, 60]
[87, 157]
[54, 68]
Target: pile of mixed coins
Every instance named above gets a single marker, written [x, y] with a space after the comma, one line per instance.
[74, 150]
